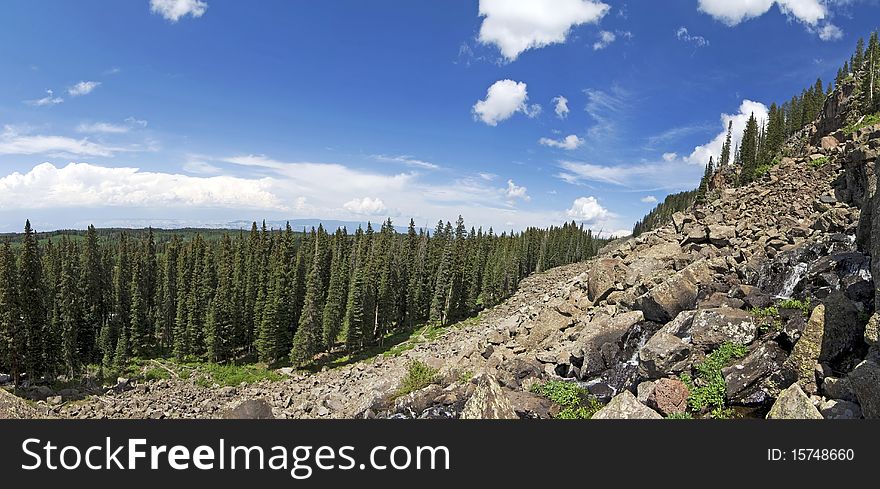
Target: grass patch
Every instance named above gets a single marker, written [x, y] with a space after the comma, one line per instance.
[418, 376]
[819, 162]
[711, 392]
[869, 120]
[232, 375]
[575, 401]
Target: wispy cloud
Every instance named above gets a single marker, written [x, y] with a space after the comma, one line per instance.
[83, 88]
[407, 160]
[683, 35]
[49, 100]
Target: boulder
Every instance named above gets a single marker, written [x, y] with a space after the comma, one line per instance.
[694, 233]
[488, 401]
[837, 409]
[644, 391]
[865, 379]
[843, 331]
[626, 406]
[721, 236]
[872, 330]
[793, 403]
[548, 322]
[828, 143]
[804, 356]
[599, 345]
[713, 327]
[662, 355]
[677, 293]
[605, 277]
[839, 388]
[250, 409]
[669, 396]
[753, 380]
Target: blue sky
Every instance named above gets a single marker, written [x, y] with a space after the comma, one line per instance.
[200, 112]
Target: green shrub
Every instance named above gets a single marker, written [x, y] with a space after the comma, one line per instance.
[722, 413]
[711, 392]
[232, 375]
[418, 376]
[575, 401]
[681, 415]
[802, 305]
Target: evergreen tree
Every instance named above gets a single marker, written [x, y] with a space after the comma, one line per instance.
[32, 303]
[308, 340]
[749, 151]
[725, 148]
[13, 335]
[334, 308]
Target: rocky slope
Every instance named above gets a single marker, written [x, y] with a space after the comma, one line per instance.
[628, 324]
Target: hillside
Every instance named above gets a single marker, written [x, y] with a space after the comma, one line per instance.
[756, 303]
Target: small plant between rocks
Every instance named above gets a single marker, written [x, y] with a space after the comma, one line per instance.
[575, 401]
[708, 391]
[418, 376]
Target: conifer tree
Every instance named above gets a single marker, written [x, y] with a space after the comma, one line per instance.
[13, 339]
[308, 340]
[337, 294]
[725, 148]
[33, 302]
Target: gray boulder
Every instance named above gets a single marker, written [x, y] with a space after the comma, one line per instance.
[713, 327]
[663, 354]
[488, 401]
[250, 409]
[626, 406]
[721, 236]
[792, 403]
[753, 380]
[838, 409]
[801, 364]
[605, 277]
[677, 293]
[865, 380]
[598, 347]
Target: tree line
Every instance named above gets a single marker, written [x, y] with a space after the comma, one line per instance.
[264, 295]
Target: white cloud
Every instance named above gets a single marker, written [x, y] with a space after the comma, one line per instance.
[14, 142]
[649, 199]
[644, 176]
[604, 107]
[515, 26]
[682, 34]
[173, 10]
[198, 166]
[49, 100]
[101, 127]
[570, 142]
[83, 88]
[514, 192]
[407, 160]
[588, 210]
[561, 108]
[136, 122]
[503, 99]
[366, 206]
[605, 40]
[487, 176]
[86, 185]
[830, 32]
[670, 157]
[700, 155]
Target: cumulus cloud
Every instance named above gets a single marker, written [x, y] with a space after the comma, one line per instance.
[101, 128]
[701, 154]
[13, 142]
[649, 199]
[514, 192]
[515, 26]
[49, 100]
[561, 106]
[83, 88]
[367, 206]
[504, 99]
[811, 13]
[588, 211]
[605, 40]
[174, 10]
[570, 142]
[86, 185]
[682, 34]
[670, 156]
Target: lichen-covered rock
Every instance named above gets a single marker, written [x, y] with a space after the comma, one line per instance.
[626, 406]
[803, 359]
[755, 378]
[605, 277]
[669, 396]
[488, 402]
[674, 295]
[713, 327]
[662, 355]
[793, 403]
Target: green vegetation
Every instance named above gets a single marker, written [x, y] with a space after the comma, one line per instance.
[801, 305]
[418, 376]
[662, 214]
[819, 162]
[232, 375]
[575, 401]
[869, 120]
[274, 296]
[711, 391]
[681, 415]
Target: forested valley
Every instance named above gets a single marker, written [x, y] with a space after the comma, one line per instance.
[273, 296]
